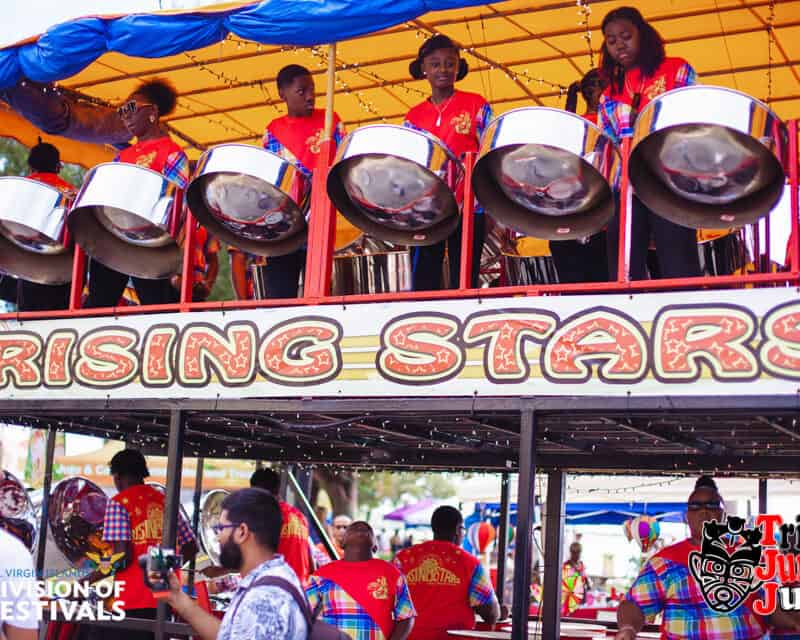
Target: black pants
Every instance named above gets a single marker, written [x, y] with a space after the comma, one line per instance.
[427, 261]
[106, 286]
[33, 296]
[8, 288]
[676, 245]
[114, 633]
[579, 262]
[282, 274]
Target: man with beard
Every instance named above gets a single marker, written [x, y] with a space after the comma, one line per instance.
[133, 522]
[249, 529]
[365, 597]
[666, 585]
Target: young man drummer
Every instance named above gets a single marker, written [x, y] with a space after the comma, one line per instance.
[297, 136]
[458, 119]
[155, 150]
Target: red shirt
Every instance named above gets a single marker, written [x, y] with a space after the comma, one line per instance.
[54, 180]
[145, 507]
[591, 116]
[161, 155]
[301, 137]
[438, 574]
[293, 544]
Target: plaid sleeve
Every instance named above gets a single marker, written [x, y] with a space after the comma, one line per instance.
[313, 591]
[273, 145]
[480, 588]
[403, 607]
[116, 523]
[176, 168]
[185, 534]
[609, 112]
[338, 132]
[483, 117]
[685, 76]
[647, 591]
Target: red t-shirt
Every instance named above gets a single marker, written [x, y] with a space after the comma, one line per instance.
[591, 116]
[301, 136]
[293, 544]
[54, 180]
[461, 120]
[145, 507]
[161, 155]
[438, 574]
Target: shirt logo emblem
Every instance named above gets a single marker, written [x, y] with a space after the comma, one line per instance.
[431, 572]
[379, 589]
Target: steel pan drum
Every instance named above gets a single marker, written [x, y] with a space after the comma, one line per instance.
[33, 231]
[121, 218]
[250, 198]
[17, 514]
[708, 157]
[546, 173]
[394, 183]
[528, 261]
[210, 511]
[722, 252]
[75, 513]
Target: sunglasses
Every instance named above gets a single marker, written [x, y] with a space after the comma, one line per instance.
[711, 505]
[219, 528]
[131, 107]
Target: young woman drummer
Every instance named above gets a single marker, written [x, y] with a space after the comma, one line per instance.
[583, 260]
[458, 119]
[155, 150]
[637, 71]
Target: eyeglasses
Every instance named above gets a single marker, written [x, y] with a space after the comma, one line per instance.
[219, 528]
[711, 505]
[131, 107]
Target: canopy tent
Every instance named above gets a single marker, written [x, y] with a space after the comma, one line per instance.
[224, 59]
[593, 513]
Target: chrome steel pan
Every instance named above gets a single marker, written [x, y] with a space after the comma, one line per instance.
[75, 513]
[210, 511]
[708, 157]
[17, 515]
[250, 198]
[546, 173]
[33, 228]
[122, 217]
[396, 184]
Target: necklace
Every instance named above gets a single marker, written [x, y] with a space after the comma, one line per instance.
[441, 111]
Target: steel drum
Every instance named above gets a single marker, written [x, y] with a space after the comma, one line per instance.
[34, 243]
[546, 173]
[527, 261]
[210, 512]
[75, 513]
[122, 218]
[395, 184]
[708, 157]
[17, 515]
[722, 251]
[251, 198]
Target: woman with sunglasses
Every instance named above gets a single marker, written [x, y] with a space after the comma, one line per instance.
[634, 65]
[679, 581]
[458, 119]
[153, 149]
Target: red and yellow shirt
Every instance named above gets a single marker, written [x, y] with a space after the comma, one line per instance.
[300, 139]
[293, 544]
[161, 155]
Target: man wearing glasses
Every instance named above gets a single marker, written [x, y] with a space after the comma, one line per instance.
[339, 529]
[448, 585]
[249, 529]
[666, 585]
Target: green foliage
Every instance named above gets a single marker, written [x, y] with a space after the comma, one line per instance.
[375, 487]
[223, 287]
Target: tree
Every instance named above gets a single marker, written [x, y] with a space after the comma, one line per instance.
[14, 162]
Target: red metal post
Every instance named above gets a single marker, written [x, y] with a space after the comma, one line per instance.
[321, 229]
[187, 279]
[467, 225]
[794, 207]
[624, 254]
[175, 216]
[78, 271]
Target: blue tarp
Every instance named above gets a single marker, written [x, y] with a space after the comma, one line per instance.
[592, 513]
[67, 48]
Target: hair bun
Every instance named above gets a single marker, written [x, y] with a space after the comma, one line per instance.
[415, 69]
[706, 482]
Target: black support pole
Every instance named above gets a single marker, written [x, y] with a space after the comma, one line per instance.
[49, 457]
[762, 495]
[525, 498]
[502, 545]
[198, 493]
[172, 501]
[553, 549]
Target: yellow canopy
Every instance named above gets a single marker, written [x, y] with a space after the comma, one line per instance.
[520, 53]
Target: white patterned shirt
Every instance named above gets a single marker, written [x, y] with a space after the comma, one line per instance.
[266, 612]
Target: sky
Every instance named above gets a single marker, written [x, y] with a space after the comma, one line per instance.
[32, 17]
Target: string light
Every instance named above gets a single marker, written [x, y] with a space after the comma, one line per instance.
[584, 11]
[770, 26]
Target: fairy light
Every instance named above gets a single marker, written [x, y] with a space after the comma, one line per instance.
[770, 41]
[584, 11]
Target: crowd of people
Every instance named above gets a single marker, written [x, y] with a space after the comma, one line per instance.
[634, 69]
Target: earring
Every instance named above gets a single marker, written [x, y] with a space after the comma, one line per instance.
[152, 119]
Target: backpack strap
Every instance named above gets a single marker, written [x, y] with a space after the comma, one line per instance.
[281, 583]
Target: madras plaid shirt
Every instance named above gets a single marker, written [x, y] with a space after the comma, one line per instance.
[272, 144]
[667, 586]
[339, 609]
[176, 168]
[480, 588]
[614, 116]
[117, 525]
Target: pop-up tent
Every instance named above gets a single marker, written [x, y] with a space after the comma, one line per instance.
[224, 59]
